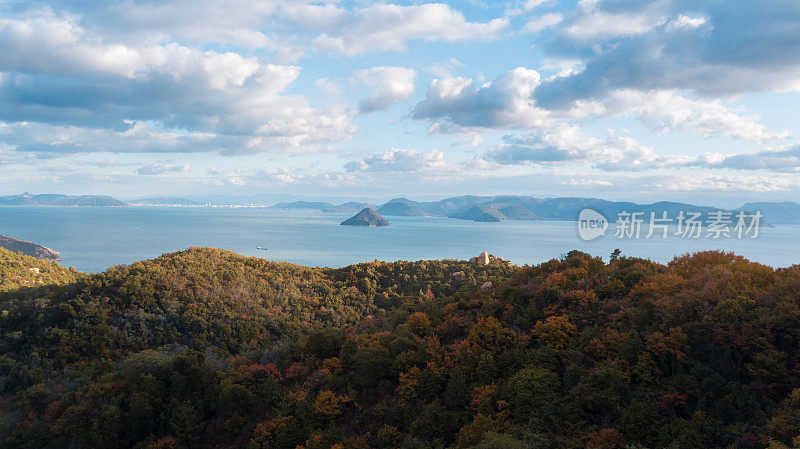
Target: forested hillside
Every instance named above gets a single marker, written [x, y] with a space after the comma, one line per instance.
[206, 348]
[18, 270]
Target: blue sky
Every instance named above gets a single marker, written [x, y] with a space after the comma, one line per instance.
[621, 99]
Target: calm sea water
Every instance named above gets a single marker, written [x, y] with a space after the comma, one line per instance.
[92, 239]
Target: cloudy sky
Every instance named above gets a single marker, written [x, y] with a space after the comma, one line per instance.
[622, 99]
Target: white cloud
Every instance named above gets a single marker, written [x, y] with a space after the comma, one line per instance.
[683, 23]
[239, 22]
[295, 176]
[547, 20]
[532, 4]
[390, 85]
[289, 28]
[455, 103]
[667, 111]
[401, 161]
[159, 168]
[567, 144]
[237, 100]
[706, 48]
[381, 27]
[705, 183]
[779, 160]
[602, 25]
[329, 86]
[508, 102]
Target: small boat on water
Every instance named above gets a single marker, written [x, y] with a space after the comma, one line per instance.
[261, 247]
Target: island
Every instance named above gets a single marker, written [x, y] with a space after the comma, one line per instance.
[28, 248]
[367, 217]
[29, 199]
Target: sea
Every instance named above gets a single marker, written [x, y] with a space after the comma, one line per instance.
[92, 239]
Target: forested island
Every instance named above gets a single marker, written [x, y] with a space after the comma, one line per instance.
[206, 348]
[367, 217]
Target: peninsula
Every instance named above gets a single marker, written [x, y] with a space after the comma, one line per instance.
[28, 248]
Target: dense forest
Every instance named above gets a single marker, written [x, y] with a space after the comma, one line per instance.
[206, 348]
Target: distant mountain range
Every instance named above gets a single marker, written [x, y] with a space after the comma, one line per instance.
[348, 208]
[470, 207]
[786, 212]
[404, 209]
[498, 208]
[27, 199]
[319, 205]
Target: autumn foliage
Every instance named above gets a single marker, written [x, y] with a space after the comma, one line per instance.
[205, 348]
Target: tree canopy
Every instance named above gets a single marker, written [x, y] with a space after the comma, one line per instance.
[207, 348]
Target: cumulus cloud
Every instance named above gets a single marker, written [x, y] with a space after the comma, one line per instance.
[781, 160]
[390, 85]
[137, 138]
[159, 168]
[58, 73]
[567, 144]
[593, 23]
[236, 22]
[288, 28]
[453, 103]
[380, 27]
[400, 161]
[707, 48]
[709, 182]
[667, 111]
[294, 176]
[509, 102]
[184, 76]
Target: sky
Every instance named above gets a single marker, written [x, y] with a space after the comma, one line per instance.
[694, 101]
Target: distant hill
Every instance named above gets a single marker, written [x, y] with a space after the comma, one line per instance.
[27, 248]
[487, 214]
[319, 205]
[785, 212]
[28, 199]
[366, 217]
[340, 210]
[348, 208]
[403, 209]
[517, 212]
[508, 207]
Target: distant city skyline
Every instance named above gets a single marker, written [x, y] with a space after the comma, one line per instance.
[615, 99]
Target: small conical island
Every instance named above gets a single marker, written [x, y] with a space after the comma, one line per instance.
[367, 217]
